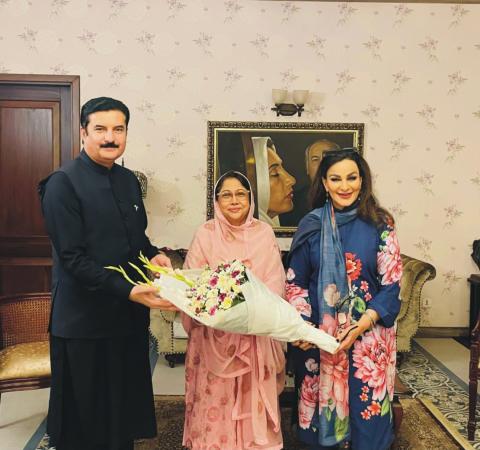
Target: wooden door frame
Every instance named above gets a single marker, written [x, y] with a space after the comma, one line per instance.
[71, 81]
[64, 90]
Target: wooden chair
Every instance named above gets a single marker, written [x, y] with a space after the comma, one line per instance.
[474, 370]
[162, 323]
[24, 346]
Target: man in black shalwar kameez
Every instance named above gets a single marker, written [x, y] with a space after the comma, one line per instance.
[101, 396]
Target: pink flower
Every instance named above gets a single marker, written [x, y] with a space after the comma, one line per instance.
[389, 262]
[365, 414]
[331, 295]
[297, 296]
[213, 281]
[290, 274]
[375, 408]
[292, 291]
[368, 297]
[374, 357]
[302, 306]
[305, 415]
[354, 266]
[333, 375]
[363, 397]
[364, 286]
[311, 365]
[213, 414]
[329, 324]
[309, 390]
[307, 401]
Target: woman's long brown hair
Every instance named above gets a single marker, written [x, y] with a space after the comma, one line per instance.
[368, 206]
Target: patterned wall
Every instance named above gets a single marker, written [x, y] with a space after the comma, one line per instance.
[409, 71]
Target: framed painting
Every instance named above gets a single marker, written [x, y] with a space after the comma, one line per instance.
[280, 160]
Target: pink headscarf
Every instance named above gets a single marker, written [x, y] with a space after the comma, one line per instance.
[256, 362]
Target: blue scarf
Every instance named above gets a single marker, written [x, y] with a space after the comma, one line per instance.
[332, 269]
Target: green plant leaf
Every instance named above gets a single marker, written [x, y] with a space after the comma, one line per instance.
[341, 428]
[385, 406]
[359, 305]
[328, 413]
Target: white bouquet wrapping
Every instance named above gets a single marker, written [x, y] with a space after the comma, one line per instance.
[259, 311]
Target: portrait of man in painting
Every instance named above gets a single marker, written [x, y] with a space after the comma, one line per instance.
[279, 159]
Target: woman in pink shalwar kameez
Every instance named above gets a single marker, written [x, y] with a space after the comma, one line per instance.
[232, 381]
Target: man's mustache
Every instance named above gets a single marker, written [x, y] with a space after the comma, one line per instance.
[109, 145]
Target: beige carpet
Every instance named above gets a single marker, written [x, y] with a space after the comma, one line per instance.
[421, 428]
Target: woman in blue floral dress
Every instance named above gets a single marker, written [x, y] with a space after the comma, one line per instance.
[344, 274]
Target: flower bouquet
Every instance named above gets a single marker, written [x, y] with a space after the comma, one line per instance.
[232, 299]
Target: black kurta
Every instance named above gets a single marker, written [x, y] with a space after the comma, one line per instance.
[101, 384]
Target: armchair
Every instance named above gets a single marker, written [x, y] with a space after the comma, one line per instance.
[24, 346]
[415, 274]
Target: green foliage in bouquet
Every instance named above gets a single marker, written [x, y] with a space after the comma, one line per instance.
[152, 268]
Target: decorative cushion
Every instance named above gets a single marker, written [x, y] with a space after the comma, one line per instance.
[25, 361]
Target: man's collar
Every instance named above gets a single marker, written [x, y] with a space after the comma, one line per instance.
[94, 165]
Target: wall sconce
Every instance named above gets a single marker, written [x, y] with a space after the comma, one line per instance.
[289, 109]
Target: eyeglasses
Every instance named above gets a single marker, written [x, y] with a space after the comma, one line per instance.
[227, 196]
[347, 151]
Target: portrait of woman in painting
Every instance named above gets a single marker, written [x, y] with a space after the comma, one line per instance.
[274, 183]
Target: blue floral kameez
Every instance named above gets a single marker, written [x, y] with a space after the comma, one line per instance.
[348, 396]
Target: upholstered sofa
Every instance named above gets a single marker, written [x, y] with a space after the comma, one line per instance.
[415, 274]
[166, 333]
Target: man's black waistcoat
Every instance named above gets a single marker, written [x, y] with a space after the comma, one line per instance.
[95, 218]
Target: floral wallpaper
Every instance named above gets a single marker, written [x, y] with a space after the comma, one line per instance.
[408, 71]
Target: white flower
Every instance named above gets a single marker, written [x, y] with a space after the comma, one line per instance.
[211, 303]
[331, 295]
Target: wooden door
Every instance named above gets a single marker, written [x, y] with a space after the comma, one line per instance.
[39, 131]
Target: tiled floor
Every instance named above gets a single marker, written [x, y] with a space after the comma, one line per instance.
[21, 413]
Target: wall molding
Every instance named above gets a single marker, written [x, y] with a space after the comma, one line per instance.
[434, 332]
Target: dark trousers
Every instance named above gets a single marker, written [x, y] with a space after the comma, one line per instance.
[101, 396]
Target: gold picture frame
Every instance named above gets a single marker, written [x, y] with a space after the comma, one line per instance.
[237, 146]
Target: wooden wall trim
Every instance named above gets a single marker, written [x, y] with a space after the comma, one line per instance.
[21, 78]
[444, 332]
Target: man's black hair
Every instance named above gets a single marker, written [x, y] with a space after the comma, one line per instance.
[102, 104]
